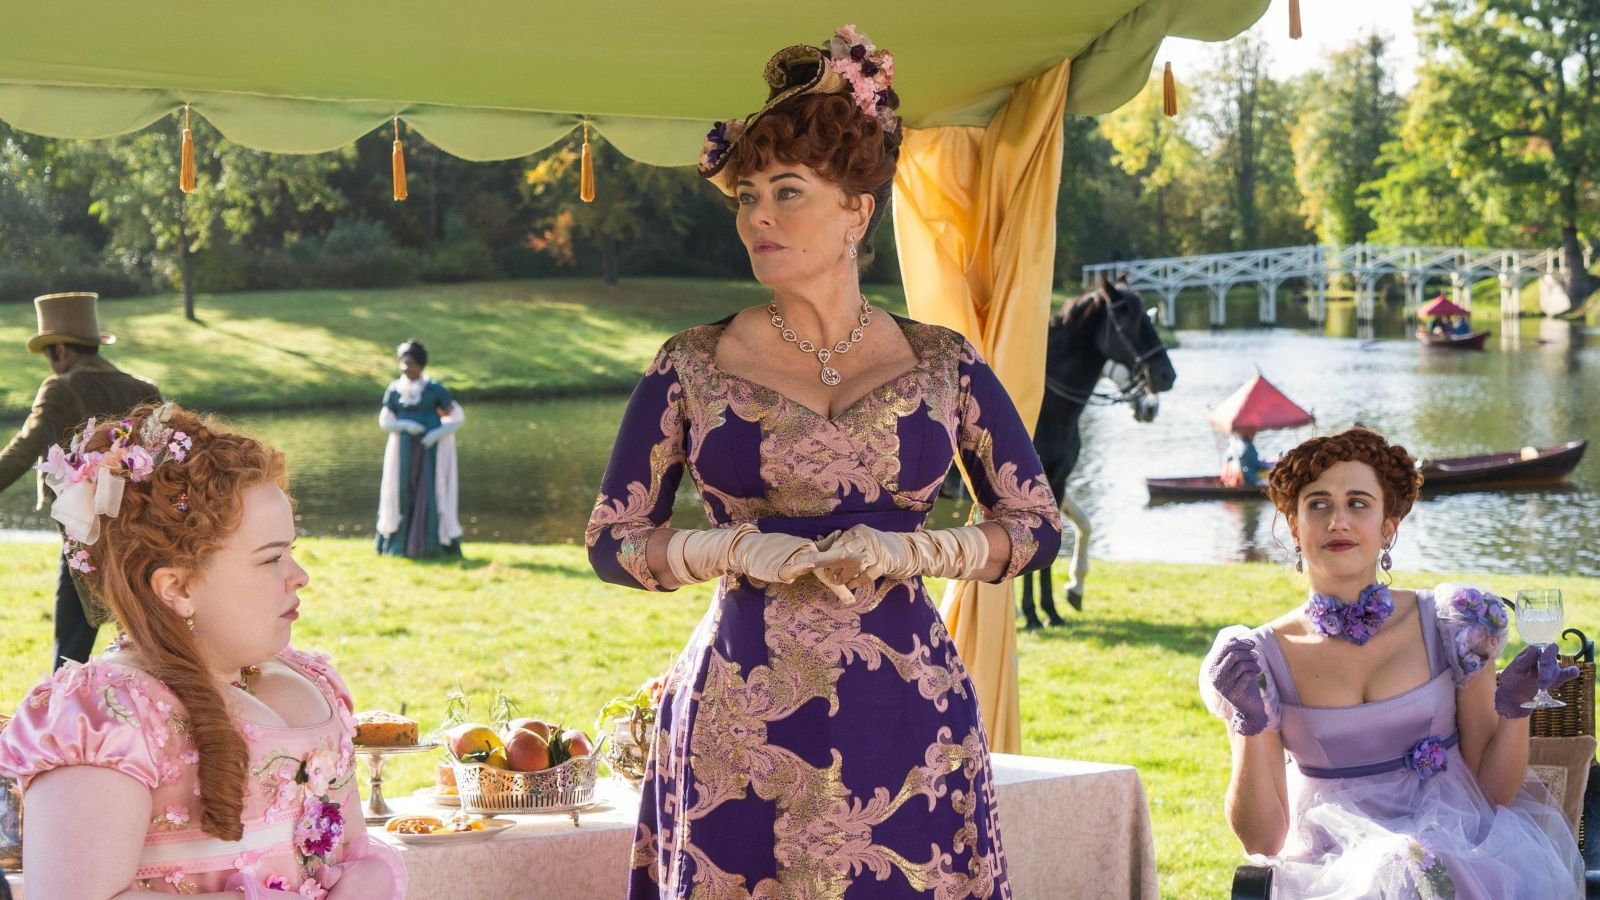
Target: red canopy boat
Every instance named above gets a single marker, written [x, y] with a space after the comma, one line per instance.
[1440, 307]
[1498, 470]
[1258, 406]
[1469, 341]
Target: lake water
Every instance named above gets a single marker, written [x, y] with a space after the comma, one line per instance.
[530, 469]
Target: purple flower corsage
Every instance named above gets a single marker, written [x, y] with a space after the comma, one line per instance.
[1428, 758]
[1354, 622]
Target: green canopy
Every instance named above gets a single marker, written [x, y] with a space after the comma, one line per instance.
[497, 79]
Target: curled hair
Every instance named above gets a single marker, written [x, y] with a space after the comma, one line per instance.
[414, 349]
[1396, 470]
[151, 531]
[828, 134]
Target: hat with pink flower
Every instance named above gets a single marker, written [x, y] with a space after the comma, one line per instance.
[848, 64]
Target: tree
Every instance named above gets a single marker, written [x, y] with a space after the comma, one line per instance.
[1519, 89]
[1158, 156]
[132, 185]
[1247, 115]
[1353, 113]
[630, 198]
[1427, 196]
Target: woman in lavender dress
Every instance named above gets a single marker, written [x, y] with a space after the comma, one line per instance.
[1409, 773]
[820, 737]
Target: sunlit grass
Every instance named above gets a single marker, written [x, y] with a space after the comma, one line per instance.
[1115, 685]
[313, 348]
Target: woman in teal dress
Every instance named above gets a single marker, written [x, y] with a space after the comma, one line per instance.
[420, 491]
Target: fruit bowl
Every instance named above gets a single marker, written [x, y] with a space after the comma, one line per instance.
[566, 787]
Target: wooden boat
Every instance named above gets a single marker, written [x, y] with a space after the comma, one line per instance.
[1470, 341]
[1487, 470]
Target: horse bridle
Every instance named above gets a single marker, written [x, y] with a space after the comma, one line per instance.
[1127, 391]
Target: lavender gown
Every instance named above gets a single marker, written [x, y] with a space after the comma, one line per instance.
[1362, 825]
[808, 749]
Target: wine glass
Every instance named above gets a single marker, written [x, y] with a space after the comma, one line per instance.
[1539, 623]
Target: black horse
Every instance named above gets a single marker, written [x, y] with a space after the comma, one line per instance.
[1104, 333]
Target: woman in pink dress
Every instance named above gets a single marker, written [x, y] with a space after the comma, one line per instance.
[1409, 773]
[202, 754]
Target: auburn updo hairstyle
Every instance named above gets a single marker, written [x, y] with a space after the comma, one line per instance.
[1396, 470]
[179, 516]
[831, 135]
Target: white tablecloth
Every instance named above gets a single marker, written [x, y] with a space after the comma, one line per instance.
[1072, 831]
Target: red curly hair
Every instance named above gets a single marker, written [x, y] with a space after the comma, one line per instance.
[826, 133]
[1397, 471]
[150, 532]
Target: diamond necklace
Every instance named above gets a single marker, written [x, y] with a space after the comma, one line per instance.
[829, 375]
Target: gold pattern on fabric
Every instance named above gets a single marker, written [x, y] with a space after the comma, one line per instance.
[629, 520]
[808, 461]
[1019, 507]
[715, 746]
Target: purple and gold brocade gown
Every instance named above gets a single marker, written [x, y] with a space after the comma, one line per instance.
[806, 749]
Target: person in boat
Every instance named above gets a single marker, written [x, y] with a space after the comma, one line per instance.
[1242, 465]
[1461, 326]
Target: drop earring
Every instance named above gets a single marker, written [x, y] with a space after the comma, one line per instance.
[1299, 560]
[851, 252]
[1385, 562]
[189, 621]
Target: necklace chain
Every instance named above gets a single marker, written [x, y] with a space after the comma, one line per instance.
[829, 375]
[245, 674]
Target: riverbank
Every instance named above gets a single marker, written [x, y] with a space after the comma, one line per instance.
[1115, 685]
[314, 349]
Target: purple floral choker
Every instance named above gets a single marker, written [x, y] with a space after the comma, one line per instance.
[1354, 622]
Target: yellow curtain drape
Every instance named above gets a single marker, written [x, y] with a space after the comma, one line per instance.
[975, 225]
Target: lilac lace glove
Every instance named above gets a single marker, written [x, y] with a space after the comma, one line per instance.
[1532, 670]
[1236, 677]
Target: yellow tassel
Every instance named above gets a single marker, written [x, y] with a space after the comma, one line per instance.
[397, 161]
[1294, 19]
[586, 170]
[1169, 92]
[186, 164]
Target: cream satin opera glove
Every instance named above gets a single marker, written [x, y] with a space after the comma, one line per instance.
[944, 553]
[696, 556]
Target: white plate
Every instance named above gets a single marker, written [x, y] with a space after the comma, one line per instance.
[491, 827]
[432, 795]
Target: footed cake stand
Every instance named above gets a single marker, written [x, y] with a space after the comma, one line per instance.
[378, 810]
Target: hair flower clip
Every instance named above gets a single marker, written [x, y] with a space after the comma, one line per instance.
[89, 484]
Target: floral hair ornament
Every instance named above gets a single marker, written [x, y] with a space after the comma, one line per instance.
[848, 64]
[88, 484]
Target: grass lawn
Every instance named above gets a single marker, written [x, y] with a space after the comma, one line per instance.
[319, 347]
[1116, 685]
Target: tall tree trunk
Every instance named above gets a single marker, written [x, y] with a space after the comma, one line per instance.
[608, 259]
[1580, 284]
[186, 266]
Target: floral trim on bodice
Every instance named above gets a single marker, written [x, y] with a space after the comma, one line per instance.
[811, 465]
[298, 786]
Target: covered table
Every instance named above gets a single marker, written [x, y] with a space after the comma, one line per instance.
[1071, 829]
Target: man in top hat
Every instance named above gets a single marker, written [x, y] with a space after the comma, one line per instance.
[83, 384]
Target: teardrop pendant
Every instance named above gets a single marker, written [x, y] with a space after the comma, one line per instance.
[830, 376]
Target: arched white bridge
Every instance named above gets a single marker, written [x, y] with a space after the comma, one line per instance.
[1314, 265]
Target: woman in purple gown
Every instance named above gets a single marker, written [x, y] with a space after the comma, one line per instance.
[820, 737]
[1409, 765]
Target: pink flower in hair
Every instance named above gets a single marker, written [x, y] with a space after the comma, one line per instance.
[138, 463]
[56, 464]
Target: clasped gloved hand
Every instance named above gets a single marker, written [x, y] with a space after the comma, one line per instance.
[945, 553]
[696, 556]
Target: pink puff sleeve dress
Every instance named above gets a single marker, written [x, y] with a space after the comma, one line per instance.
[302, 811]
